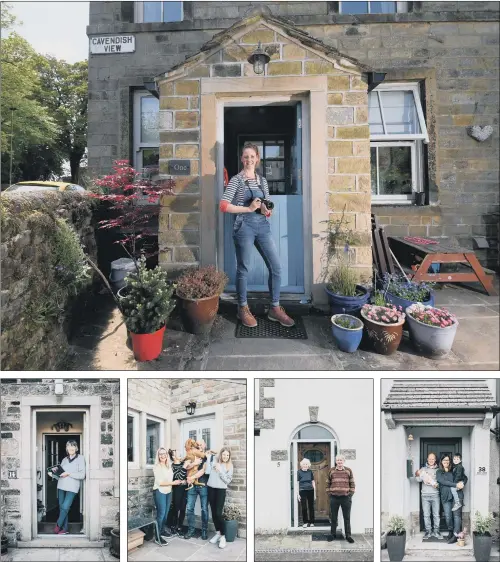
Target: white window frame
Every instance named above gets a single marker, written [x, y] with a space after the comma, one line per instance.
[139, 13]
[162, 434]
[407, 87]
[138, 145]
[401, 8]
[134, 464]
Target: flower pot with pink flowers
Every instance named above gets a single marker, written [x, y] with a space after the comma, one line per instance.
[432, 330]
[384, 326]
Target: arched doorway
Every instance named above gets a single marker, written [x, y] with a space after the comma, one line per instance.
[318, 443]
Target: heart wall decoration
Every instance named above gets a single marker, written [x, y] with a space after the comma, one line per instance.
[480, 133]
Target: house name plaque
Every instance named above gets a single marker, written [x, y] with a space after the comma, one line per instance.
[107, 44]
[179, 167]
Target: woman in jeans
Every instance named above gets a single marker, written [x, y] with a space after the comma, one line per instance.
[221, 475]
[68, 485]
[179, 496]
[243, 197]
[162, 491]
[444, 477]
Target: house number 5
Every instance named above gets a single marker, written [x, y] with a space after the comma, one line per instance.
[278, 464]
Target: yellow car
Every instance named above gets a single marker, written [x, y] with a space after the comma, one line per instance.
[24, 186]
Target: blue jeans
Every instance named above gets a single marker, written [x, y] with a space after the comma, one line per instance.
[453, 518]
[430, 505]
[192, 494]
[162, 502]
[254, 230]
[65, 501]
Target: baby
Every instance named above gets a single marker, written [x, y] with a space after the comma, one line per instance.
[192, 453]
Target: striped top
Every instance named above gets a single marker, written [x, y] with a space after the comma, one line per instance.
[235, 191]
[340, 482]
[179, 471]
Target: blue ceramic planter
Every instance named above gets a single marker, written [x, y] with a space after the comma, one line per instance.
[339, 304]
[347, 339]
[404, 303]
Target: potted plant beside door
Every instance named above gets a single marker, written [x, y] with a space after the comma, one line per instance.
[199, 290]
[231, 514]
[396, 538]
[481, 537]
[146, 307]
[114, 547]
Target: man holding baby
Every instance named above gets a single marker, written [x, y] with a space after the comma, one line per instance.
[430, 496]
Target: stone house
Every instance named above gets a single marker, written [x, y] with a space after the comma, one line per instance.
[440, 416]
[356, 110]
[38, 417]
[306, 418]
[157, 416]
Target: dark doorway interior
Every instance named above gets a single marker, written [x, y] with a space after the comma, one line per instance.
[54, 452]
[441, 447]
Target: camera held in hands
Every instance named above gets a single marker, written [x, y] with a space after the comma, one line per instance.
[269, 204]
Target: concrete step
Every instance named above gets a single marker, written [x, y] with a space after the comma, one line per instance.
[64, 541]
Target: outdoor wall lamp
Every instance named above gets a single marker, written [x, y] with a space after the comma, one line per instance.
[58, 388]
[259, 58]
[410, 437]
[190, 408]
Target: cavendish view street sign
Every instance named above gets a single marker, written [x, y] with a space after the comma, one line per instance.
[107, 44]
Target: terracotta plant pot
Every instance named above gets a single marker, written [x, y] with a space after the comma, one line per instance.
[147, 346]
[385, 338]
[198, 314]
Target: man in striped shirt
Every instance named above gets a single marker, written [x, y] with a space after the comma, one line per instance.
[340, 488]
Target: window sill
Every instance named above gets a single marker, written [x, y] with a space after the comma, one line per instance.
[389, 209]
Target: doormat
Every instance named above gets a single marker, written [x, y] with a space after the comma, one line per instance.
[324, 537]
[272, 330]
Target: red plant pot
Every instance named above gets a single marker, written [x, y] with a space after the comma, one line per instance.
[147, 346]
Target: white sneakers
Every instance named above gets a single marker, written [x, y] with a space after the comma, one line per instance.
[304, 525]
[215, 539]
[222, 542]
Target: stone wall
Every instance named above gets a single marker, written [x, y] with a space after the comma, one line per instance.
[457, 41]
[33, 336]
[12, 391]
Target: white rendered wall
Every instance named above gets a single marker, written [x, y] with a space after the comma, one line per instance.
[346, 406]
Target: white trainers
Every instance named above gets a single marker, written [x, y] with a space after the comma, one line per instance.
[304, 525]
[222, 542]
[215, 539]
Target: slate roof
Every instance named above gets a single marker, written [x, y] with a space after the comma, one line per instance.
[288, 26]
[445, 394]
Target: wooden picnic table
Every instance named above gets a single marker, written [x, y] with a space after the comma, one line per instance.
[441, 253]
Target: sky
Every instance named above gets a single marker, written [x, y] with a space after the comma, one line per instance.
[55, 28]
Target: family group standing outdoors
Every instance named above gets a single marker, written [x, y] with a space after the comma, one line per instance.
[340, 488]
[442, 483]
[180, 480]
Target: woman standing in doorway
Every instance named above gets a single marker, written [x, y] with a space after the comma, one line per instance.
[68, 485]
[244, 197]
[162, 490]
[221, 475]
[444, 476]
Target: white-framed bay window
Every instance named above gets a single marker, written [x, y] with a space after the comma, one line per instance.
[146, 135]
[133, 433]
[163, 12]
[154, 438]
[397, 134]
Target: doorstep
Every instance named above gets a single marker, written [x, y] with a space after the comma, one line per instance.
[67, 541]
[440, 549]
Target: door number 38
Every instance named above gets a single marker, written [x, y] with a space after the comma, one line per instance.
[481, 470]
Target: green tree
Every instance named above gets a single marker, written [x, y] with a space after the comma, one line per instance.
[64, 92]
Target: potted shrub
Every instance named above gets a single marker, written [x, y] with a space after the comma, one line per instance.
[396, 538]
[347, 332]
[146, 307]
[432, 330]
[384, 326]
[199, 291]
[402, 292]
[481, 537]
[231, 513]
[114, 547]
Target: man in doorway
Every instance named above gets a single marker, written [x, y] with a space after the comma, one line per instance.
[430, 496]
[198, 490]
[340, 488]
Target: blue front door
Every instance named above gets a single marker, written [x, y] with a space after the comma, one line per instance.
[281, 165]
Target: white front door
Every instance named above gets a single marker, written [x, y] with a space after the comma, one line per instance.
[199, 428]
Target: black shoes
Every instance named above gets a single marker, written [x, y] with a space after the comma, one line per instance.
[331, 538]
[204, 535]
[189, 535]
[162, 541]
[453, 540]
[450, 535]
[349, 539]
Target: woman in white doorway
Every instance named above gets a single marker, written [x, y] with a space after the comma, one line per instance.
[221, 475]
[307, 492]
[68, 484]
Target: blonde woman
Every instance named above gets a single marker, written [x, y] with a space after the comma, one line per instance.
[307, 492]
[162, 491]
[68, 484]
[244, 197]
[221, 475]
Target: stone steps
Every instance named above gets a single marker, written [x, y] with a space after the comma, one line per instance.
[63, 541]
